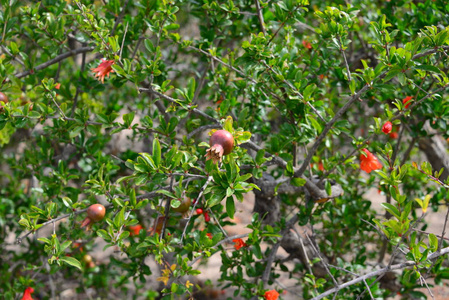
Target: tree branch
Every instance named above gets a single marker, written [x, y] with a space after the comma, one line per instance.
[380, 272]
[55, 60]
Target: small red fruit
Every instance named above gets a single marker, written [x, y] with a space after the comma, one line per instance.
[206, 217]
[221, 142]
[199, 211]
[95, 213]
[387, 127]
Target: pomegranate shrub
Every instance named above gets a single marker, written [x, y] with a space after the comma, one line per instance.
[170, 113]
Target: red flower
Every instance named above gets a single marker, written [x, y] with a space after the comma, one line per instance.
[369, 162]
[103, 69]
[307, 44]
[407, 101]
[271, 295]
[320, 166]
[135, 229]
[239, 243]
[27, 294]
[387, 127]
[209, 235]
[394, 135]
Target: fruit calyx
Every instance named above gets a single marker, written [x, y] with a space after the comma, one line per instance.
[222, 143]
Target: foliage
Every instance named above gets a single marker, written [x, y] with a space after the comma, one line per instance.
[305, 89]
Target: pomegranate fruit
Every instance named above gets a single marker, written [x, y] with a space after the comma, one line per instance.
[95, 213]
[87, 259]
[4, 99]
[184, 206]
[221, 142]
[157, 227]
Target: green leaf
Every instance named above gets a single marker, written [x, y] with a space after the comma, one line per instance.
[297, 181]
[67, 202]
[132, 198]
[128, 119]
[103, 234]
[228, 124]
[260, 157]
[229, 192]
[166, 193]
[71, 261]
[433, 242]
[428, 68]
[119, 218]
[391, 209]
[156, 152]
[230, 207]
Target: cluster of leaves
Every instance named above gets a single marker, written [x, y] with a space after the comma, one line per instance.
[304, 88]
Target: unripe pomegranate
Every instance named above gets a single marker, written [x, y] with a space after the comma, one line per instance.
[184, 206]
[158, 224]
[87, 259]
[221, 143]
[95, 213]
[4, 99]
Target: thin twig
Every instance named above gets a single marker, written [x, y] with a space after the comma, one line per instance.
[379, 272]
[317, 252]
[440, 244]
[260, 16]
[55, 60]
[203, 188]
[123, 41]
[344, 58]
[195, 110]
[202, 128]
[119, 18]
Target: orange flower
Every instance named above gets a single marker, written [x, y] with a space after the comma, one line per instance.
[135, 229]
[394, 135]
[27, 294]
[407, 101]
[271, 295]
[369, 162]
[239, 243]
[387, 127]
[307, 44]
[103, 69]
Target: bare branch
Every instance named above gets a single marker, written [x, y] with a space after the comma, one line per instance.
[380, 272]
[260, 16]
[55, 60]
